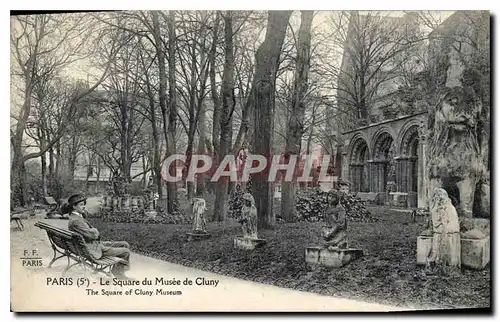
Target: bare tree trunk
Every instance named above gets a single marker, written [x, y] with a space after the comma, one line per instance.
[267, 61]
[172, 119]
[156, 166]
[245, 124]
[213, 88]
[43, 158]
[169, 119]
[228, 103]
[202, 128]
[17, 168]
[98, 175]
[296, 121]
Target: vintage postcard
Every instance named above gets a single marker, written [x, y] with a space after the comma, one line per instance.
[257, 161]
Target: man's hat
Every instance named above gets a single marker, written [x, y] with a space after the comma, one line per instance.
[75, 199]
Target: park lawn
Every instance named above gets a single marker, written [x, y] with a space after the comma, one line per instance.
[387, 273]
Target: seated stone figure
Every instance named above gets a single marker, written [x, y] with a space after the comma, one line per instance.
[248, 219]
[334, 231]
[199, 221]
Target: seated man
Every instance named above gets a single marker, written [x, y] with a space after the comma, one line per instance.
[77, 223]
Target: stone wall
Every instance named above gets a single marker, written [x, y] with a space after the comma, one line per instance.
[389, 154]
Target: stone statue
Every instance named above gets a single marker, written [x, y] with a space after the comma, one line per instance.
[109, 189]
[334, 231]
[199, 222]
[454, 150]
[445, 228]
[248, 219]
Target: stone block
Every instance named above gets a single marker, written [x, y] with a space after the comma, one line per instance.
[399, 199]
[370, 197]
[194, 236]
[475, 253]
[412, 200]
[248, 243]
[424, 246]
[331, 257]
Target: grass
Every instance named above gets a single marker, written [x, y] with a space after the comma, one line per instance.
[386, 274]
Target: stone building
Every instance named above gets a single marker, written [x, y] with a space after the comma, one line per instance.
[385, 161]
[384, 157]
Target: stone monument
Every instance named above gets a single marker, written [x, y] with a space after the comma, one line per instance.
[149, 200]
[248, 221]
[107, 202]
[440, 244]
[199, 230]
[335, 251]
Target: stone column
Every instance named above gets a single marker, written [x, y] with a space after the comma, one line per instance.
[352, 177]
[383, 176]
[404, 174]
[423, 176]
[345, 166]
[339, 160]
[371, 175]
[397, 178]
[380, 177]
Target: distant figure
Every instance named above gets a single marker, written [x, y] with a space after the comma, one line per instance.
[199, 222]
[248, 219]
[97, 248]
[334, 232]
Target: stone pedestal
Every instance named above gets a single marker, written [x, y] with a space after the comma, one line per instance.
[424, 246]
[125, 203]
[140, 203]
[475, 253]
[133, 203]
[248, 243]
[197, 235]
[333, 257]
[398, 199]
[116, 203]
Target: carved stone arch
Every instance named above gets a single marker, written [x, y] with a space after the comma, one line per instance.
[406, 139]
[382, 143]
[356, 148]
[358, 170]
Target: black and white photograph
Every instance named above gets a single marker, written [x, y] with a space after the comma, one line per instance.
[250, 161]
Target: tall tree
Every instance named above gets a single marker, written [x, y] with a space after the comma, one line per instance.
[228, 104]
[296, 120]
[267, 61]
[170, 115]
[41, 48]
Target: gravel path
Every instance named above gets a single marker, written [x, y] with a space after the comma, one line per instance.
[40, 289]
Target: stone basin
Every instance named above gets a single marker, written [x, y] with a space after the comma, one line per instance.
[197, 235]
[248, 243]
[331, 257]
